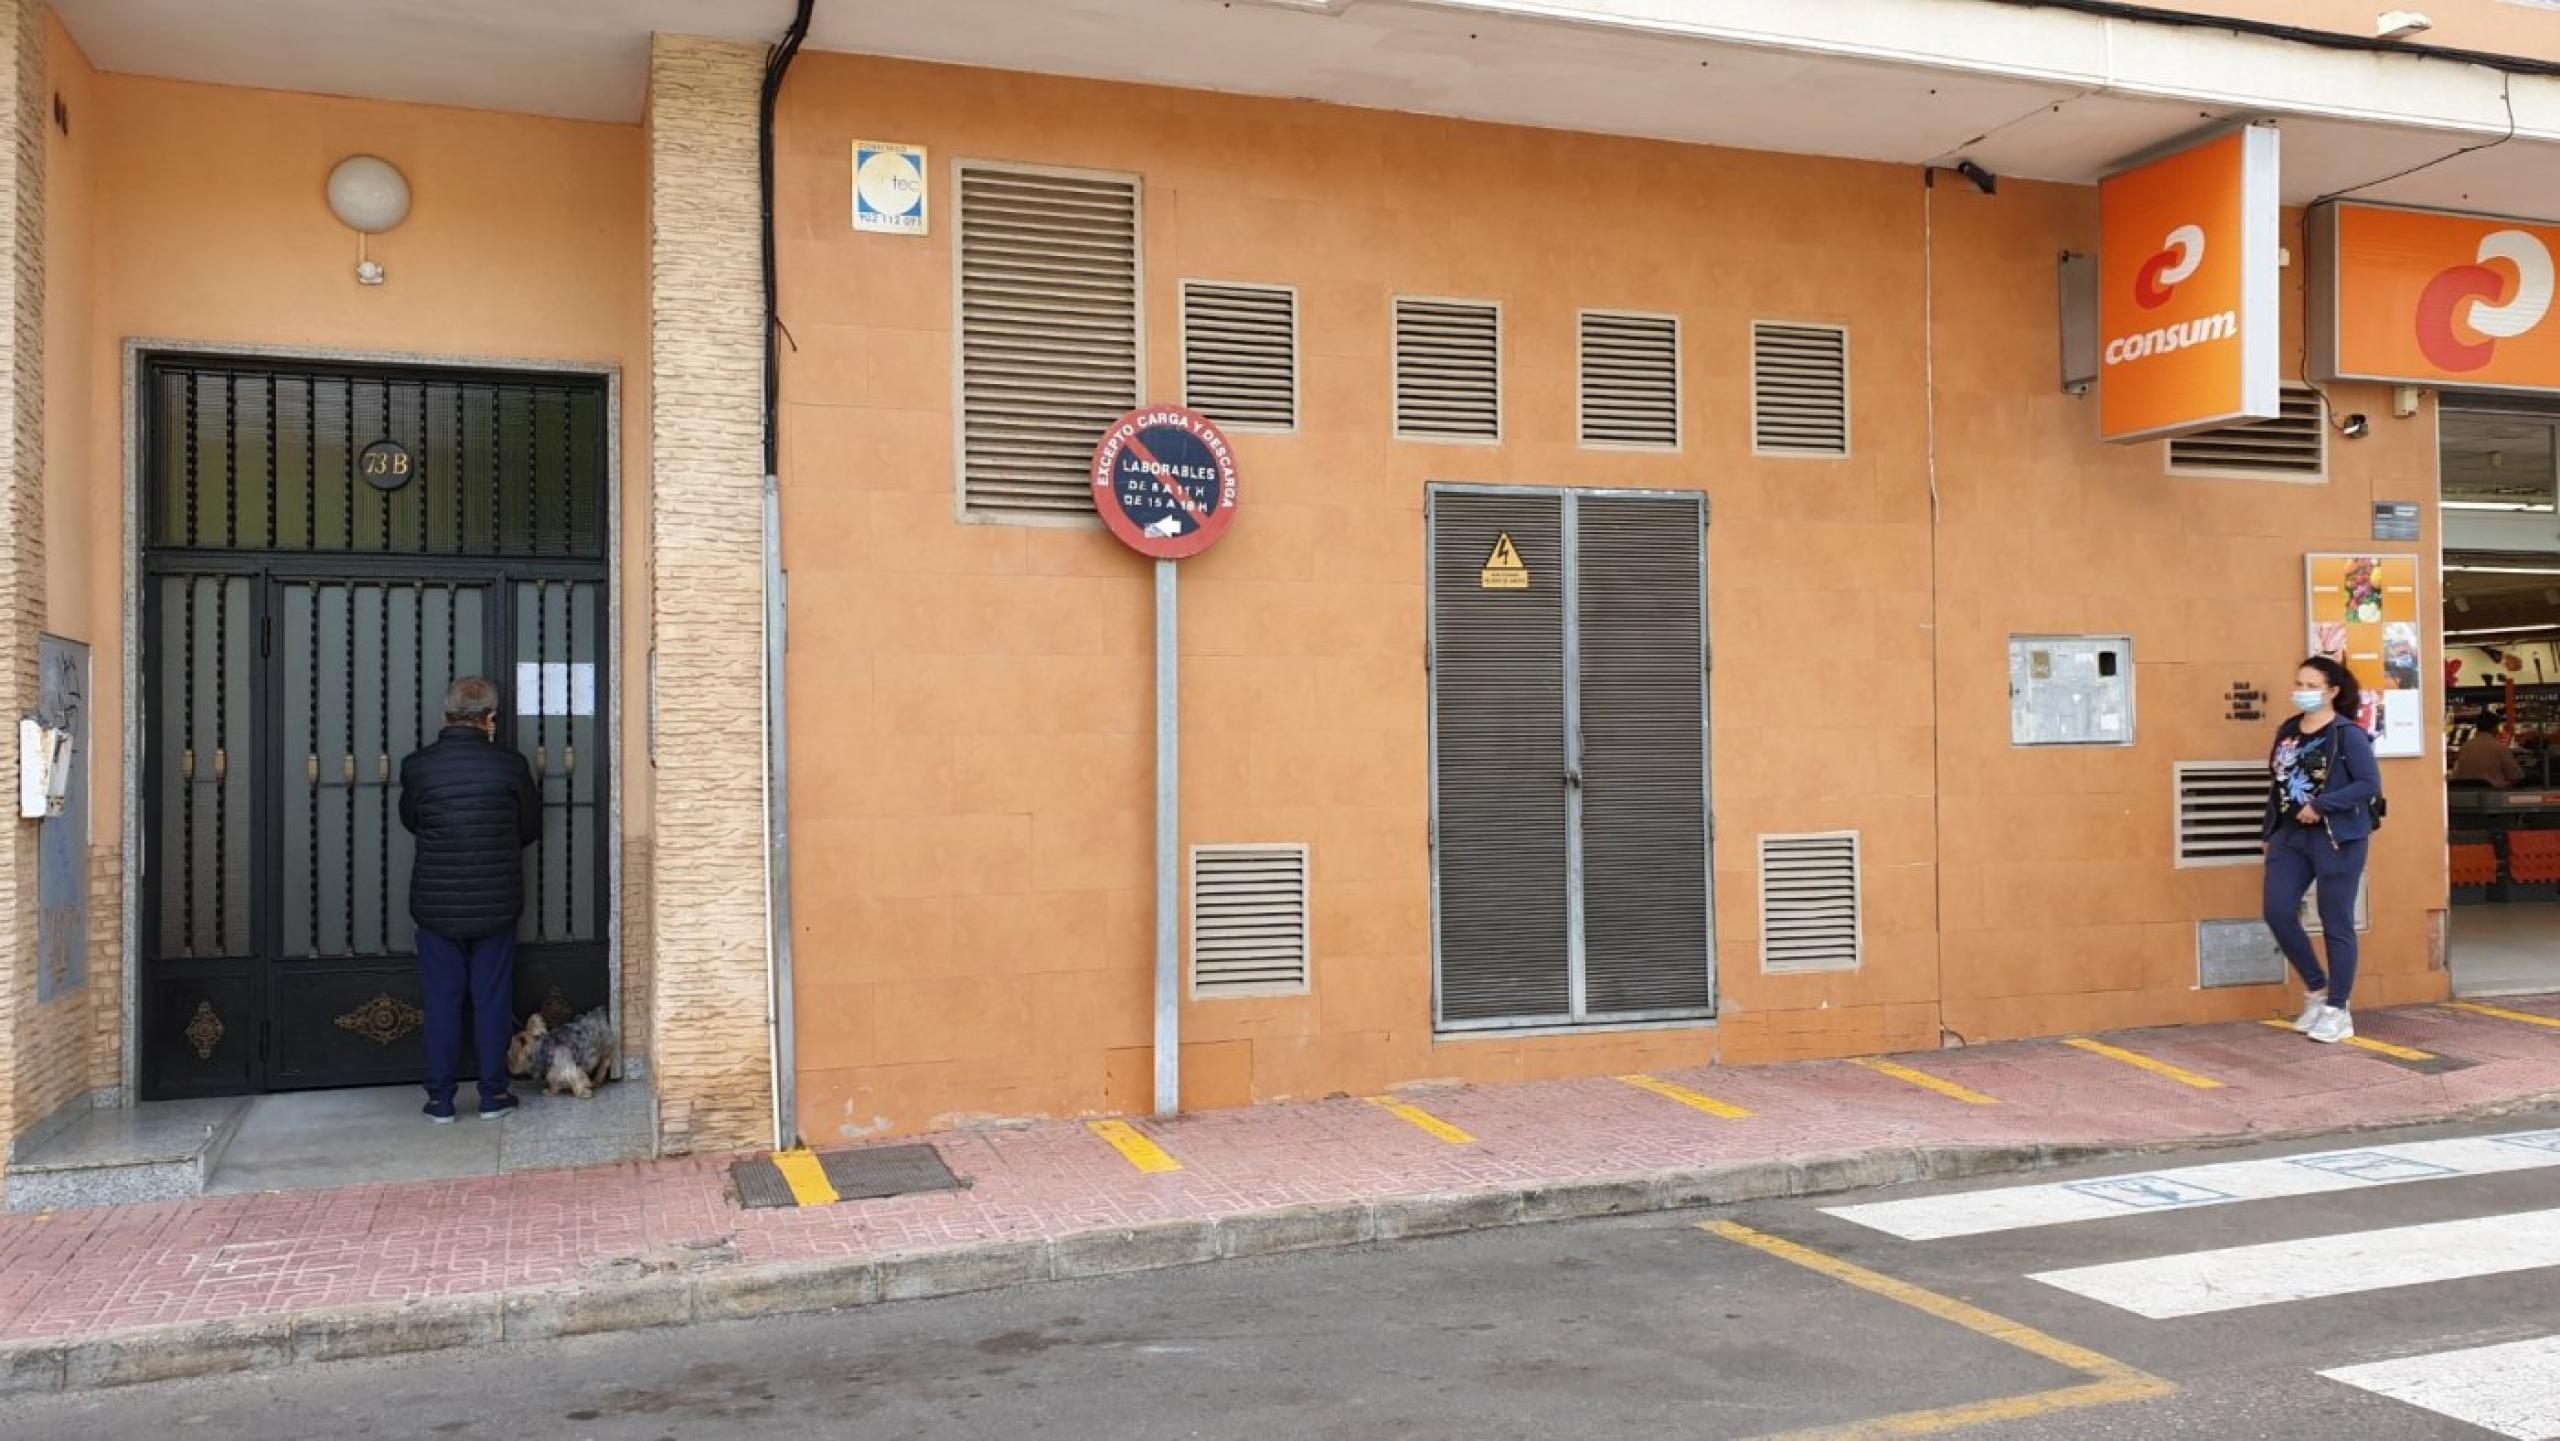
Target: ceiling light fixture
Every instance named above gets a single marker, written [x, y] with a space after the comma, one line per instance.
[369, 195]
[2501, 630]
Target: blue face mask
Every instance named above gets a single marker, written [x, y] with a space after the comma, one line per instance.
[2310, 702]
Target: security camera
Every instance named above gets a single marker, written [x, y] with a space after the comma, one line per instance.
[1983, 180]
[2355, 427]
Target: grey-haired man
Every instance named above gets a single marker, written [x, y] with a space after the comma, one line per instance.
[473, 807]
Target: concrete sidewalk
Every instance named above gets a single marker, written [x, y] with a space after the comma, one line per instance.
[170, 1289]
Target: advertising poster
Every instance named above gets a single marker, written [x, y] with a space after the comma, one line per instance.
[2364, 614]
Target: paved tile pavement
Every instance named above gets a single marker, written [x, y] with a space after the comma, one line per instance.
[85, 1274]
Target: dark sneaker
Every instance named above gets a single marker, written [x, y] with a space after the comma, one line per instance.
[496, 1107]
[440, 1112]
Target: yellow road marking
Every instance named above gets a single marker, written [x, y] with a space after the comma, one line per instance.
[1926, 1082]
[2158, 1068]
[806, 1178]
[2111, 1381]
[1686, 1097]
[2366, 1043]
[1140, 1152]
[2499, 1013]
[1416, 1116]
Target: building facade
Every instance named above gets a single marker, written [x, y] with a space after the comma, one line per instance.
[1659, 488]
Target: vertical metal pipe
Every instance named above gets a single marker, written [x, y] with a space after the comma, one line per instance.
[1168, 846]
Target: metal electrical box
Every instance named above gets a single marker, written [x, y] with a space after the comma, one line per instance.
[2079, 312]
[2070, 690]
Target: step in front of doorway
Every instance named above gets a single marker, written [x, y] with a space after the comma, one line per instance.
[112, 1156]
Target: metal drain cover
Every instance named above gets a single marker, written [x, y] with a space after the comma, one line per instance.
[871, 1172]
[866, 1173]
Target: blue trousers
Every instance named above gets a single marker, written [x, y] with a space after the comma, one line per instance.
[2298, 859]
[483, 972]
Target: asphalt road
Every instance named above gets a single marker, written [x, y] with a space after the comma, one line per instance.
[1653, 1327]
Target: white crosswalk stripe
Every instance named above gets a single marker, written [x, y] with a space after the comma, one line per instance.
[1977, 1213]
[2235, 1278]
[2512, 1389]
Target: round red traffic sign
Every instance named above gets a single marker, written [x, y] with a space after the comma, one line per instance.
[1164, 481]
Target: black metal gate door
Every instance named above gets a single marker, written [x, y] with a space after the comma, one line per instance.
[329, 548]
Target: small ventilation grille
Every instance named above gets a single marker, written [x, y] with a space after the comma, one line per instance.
[2295, 444]
[1630, 380]
[1048, 335]
[1240, 354]
[1248, 920]
[1448, 370]
[2222, 808]
[1809, 903]
[1799, 389]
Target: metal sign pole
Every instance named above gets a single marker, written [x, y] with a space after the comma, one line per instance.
[1168, 848]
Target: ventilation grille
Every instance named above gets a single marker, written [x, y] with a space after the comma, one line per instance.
[2222, 809]
[1630, 381]
[1248, 920]
[1799, 389]
[1048, 335]
[1809, 903]
[2295, 445]
[1448, 370]
[1240, 354]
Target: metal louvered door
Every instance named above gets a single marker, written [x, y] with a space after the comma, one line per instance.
[1500, 841]
[1641, 626]
[1570, 846]
[328, 548]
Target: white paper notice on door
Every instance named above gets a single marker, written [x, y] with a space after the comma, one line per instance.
[555, 688]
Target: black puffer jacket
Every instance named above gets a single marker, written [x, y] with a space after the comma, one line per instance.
[473, 809]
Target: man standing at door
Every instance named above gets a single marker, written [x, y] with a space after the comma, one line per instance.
[473, 808]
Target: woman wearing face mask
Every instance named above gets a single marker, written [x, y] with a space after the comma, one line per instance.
[2323, 785]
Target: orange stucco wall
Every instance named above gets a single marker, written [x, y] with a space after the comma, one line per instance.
[970, 764]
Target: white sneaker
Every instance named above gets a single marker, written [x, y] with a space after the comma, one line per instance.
[2312, 1006]
[2334, 1025]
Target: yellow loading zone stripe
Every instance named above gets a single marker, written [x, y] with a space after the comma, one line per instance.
[1422, 1119]
[2157, 1068]
[2527, 1018]
[1927, 1082]
[2111, 1382]
[806, 1178]
[2366, 1043]
[1140, 1152]
[1686, 1097]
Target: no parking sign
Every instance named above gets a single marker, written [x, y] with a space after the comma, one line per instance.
[1164, 481]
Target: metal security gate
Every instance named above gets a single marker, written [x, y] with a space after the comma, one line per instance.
[1570, 843]
[326, 549]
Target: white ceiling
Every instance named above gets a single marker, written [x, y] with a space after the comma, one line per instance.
[2064, 102]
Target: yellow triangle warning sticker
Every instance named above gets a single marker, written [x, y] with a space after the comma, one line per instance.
[1504, 570]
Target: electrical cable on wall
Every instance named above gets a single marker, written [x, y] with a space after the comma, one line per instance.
[782, 1053]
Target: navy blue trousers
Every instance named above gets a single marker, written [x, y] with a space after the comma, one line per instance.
[2299, 859]
[482, 972]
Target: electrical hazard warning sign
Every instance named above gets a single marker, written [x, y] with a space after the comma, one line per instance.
[1504, 570]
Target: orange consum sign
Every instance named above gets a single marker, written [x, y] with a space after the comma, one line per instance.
[2187, 258]
[2420, 297]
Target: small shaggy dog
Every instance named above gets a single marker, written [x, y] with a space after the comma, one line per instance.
[575, 1058]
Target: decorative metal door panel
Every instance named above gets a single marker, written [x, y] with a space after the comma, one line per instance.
[331, 548]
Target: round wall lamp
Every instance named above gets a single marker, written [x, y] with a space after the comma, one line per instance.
[369, 195]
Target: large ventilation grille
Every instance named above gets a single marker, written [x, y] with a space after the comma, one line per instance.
[1048, 335]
